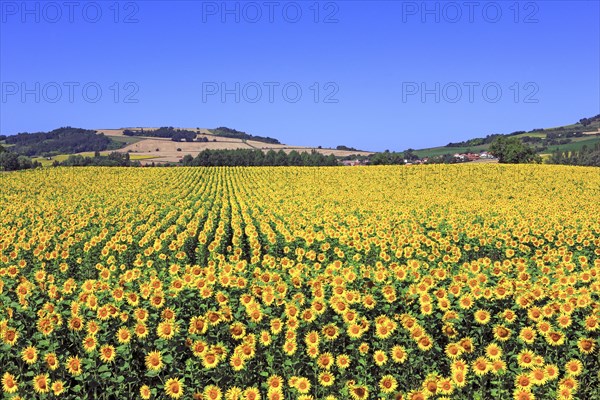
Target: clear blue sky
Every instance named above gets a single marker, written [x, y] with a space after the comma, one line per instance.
[372, 75]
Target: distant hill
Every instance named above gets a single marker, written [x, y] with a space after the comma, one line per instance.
[232, 133]
[155, 149]
[585, 132]
[66, 140]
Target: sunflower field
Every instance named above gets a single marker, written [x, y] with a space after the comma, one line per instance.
[476, 281]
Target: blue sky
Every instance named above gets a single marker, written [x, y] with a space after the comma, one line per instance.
[372, 75]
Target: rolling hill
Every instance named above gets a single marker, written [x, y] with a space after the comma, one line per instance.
[164, 150]
[571, 137]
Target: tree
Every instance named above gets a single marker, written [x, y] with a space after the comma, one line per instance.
[511, 150]
[9, 161]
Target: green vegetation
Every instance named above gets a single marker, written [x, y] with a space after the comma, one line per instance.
[511, 150]
[440, 151]
[392, 157]
[346, 148]
[125, 140]
[251, 157]
[176, 135]
[63, 140]
[10, 161]
[575, 145]
[234, 134]
[112, 160]
[587, 156]
[565, 138]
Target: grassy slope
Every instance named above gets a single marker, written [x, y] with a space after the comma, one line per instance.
[576, 144]
[62, 157]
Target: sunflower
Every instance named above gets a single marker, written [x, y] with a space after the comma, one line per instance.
[398, 354]
[380, 357]
[29, 355]
[449, 330]
[425, 343]
[330, 332]
[359, 392]
[527, 335]
[467, 344]
[41, 383]
[210, 359]
[302, 385]
[236, 393]
[325, 360]
[312, 338]
[482, 317]
[523, 394]
[363, 348]
[591, 323]
[154, 361]
[89, 344]
[459, 378]
[493, 351]
[290, 347]
[74, 365]
[498, 366]
[568, 382]
[145, 392]
[10, 335]
[237, 330]
[342, 361]
[276, 326]
[123, 335]
[92, 327]
[58, 387]
[141, 330]
[174, 388]
[107, 353]
[445, 386]
[354, 331]
[586, 345]
[574, 367]
[265, 338]
[326, 379]
[237, 362]
[212, 392]
[453, 350]
[538, 376]
[199, 347]
[526, 359]
[388, 384]
[9, 383]
[523, 381]
[481, 366]
[140, 314]
[501, 333]
[51, 361]
[251, 393]
[166, 329]
[555, 338]
[275, 382]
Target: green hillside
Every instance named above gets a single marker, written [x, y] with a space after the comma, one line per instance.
[545, 140]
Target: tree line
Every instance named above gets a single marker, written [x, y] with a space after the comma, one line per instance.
[114, 159]
[254, 157]
[586, 156]
[235, 134]
[59, 141]
[10, 161]
[176, 135]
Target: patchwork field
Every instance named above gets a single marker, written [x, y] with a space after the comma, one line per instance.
[471, 281]
[164, 150]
